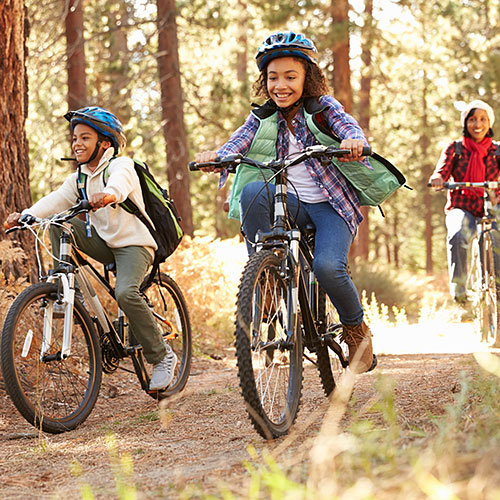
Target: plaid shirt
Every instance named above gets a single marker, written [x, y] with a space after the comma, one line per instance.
[454, 169]
[336, 188]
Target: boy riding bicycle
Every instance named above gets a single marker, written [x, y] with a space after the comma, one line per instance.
[116, 236]
[295, 86]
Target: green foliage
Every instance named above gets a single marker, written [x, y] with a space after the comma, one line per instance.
[427, 59]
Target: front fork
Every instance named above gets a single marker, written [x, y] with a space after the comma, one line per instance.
[67, 282]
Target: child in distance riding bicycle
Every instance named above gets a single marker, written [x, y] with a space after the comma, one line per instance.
[116, 235]
[474, 158]
[296, 88]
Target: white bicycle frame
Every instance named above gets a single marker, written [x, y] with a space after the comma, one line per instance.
[67, 280]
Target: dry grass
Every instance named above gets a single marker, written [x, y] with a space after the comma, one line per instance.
[208, 271]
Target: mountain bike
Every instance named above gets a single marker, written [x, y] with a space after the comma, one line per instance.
[481, 284]
[282, 314]
[55, 346]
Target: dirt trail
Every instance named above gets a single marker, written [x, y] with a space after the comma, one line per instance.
[202, 436]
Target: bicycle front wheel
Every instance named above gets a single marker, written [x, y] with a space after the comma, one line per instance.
[53, 394]
[269, 360]
[170, 310]
[489, 301]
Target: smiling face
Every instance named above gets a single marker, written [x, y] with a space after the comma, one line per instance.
[478, 125]
[285, 81]
[84, 142]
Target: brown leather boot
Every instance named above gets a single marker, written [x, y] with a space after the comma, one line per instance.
[359, 340]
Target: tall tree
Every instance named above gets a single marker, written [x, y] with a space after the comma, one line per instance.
[174, 129]
[14, 165]
[75, 53]
[340, 47]
[363, 247]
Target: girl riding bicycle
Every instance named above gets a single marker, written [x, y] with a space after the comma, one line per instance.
[296, 88]
[116, 236]
[475, 159]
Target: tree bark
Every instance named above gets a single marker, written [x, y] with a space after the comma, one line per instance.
[426, 172]
[363, 246]
[75, 54]
[14, 163]
[172, 112]
[340, 48]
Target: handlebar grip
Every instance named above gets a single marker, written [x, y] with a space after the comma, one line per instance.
[193, 166]
[367, 150]
[108, 199]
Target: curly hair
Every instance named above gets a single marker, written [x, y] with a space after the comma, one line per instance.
[315, 84]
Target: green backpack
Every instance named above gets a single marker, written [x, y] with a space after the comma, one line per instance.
[159, 206]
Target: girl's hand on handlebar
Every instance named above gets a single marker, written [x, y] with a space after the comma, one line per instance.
[12, 220]
[356, 147]
[100, 200]
[205, 157]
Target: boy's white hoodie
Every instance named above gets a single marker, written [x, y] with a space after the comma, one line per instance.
[115, 226]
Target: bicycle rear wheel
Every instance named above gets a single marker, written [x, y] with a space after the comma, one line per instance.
[170, 309]
[51, 393]
[329, 366]
[489, 299]
[269, 364]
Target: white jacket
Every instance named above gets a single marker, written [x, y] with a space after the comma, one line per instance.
[115, 226]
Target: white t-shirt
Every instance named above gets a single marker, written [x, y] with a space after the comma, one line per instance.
[299, 178]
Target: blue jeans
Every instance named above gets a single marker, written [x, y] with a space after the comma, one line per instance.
[332, 242]
[461, 227]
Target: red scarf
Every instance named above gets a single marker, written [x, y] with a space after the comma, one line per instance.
[476, 169]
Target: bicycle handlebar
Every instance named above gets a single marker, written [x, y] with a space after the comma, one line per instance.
[318, 151]
[458, 185]
[26, 220]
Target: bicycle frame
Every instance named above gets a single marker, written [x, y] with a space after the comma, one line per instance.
[72, 263]
[298, 255]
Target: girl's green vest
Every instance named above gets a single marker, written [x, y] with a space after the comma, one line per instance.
[372, 185]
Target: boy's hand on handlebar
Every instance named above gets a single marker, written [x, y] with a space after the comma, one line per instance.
[12, 220]
[100, 200]
[205, 157]
[356, 146]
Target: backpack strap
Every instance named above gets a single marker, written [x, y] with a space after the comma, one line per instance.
[128, 204]
[81, 184]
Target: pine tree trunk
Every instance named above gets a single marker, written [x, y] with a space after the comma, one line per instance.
[363, 247]
[14, 164]
[340, 48]
[75, 54]
[172, 112]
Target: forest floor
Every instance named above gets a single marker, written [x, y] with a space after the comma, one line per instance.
[201, 439]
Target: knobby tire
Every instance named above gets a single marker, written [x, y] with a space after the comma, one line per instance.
[270, 379]
[166, 298]
[55, 395]
[490, 305]
[322, 354]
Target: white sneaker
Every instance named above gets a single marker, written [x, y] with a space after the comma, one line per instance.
[163, 372]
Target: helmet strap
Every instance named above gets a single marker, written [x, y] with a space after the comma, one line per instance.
[94, 154]
[290, 110]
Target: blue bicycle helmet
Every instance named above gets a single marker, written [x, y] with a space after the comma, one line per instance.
[285, 44]
[103, 121]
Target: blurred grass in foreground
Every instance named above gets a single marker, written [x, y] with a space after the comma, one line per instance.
[379, 458]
